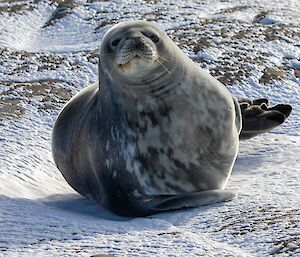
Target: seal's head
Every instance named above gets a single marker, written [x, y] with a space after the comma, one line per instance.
[135, 51]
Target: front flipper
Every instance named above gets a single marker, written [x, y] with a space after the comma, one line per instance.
[174, 202]
[258, 118]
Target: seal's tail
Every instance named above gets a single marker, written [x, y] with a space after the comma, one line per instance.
[161, 203]
[189, 200]
[258, 117]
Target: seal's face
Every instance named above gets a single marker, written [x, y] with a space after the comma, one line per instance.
[135, 51]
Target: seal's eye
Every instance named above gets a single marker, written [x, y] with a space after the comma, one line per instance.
[115, 42]
[153, 37]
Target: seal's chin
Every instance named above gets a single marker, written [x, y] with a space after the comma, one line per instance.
[137, 67]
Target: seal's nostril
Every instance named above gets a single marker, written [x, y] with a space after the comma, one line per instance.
[138, 44]
[137, 41]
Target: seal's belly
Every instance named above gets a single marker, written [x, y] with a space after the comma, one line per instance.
[193, 149]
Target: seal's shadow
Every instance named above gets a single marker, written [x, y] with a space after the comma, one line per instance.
[247, 165]
[76, 203]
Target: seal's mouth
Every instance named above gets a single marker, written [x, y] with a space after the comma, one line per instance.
[135, 54]
[135, 60]
[124, 66]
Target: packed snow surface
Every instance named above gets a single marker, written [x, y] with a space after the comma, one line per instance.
[49, 53]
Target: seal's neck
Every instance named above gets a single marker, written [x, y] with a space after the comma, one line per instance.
[163, 84]
[153, 97]
[148, 105]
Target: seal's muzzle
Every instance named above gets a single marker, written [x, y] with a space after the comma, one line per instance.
[136, 46]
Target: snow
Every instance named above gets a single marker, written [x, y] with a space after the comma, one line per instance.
[43, 66]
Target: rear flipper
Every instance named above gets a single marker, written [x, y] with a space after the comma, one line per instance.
[258, 118]
[175, 202]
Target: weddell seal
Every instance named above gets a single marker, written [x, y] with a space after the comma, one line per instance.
[157, 132]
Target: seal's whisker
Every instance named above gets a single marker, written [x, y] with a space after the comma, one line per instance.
[163, 58]
[163, 66]
[144, 58]
[113, 68]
